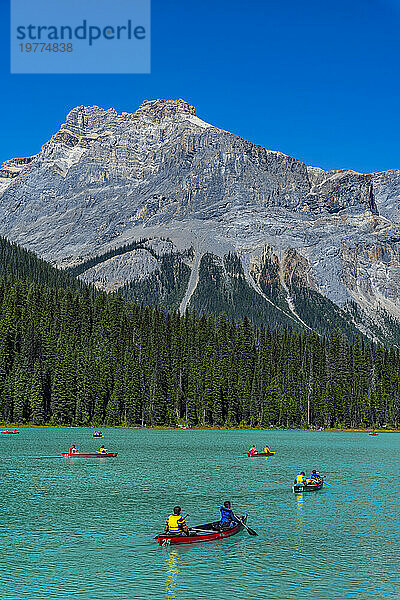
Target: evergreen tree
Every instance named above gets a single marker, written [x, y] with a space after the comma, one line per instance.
[36, 397]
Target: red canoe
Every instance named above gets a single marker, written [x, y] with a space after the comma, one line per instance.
[97, 455]
[205, 533]
[10, 432]
[260, 454]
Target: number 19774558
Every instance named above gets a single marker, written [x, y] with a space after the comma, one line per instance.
[45, 47]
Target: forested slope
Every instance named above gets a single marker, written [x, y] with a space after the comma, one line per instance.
[19, 263]
[71, 357]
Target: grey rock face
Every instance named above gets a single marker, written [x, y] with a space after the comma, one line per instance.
[105, 179]
[113, 273]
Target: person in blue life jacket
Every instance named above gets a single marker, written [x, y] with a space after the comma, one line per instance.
[228, 519]
[315, 477]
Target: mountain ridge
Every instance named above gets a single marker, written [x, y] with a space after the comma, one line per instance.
[106, 179]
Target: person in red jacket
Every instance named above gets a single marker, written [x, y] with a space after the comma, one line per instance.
[73, 450]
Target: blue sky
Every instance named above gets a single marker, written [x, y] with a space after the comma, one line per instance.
[316, 80]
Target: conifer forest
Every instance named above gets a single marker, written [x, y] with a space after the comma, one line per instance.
[70, 355]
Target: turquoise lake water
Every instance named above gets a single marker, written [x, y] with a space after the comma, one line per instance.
[84, 529]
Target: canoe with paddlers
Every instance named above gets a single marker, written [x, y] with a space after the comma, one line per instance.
[202, 533]
[96, 455]
[308, 487]
[255, 454]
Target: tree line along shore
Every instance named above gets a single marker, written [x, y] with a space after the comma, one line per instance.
[105, 428]
[70, 356]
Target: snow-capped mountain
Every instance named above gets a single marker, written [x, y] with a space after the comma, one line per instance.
[177, 211]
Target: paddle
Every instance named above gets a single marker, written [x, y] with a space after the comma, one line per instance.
[249, 530]
[324, 482]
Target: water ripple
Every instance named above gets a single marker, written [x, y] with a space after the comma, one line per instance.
[85, 530]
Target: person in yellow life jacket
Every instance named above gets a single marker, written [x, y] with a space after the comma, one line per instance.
[175, 524]
[103, 450]
[300, 479]
[266, 450]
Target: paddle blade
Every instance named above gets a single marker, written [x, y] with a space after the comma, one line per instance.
[251, 531]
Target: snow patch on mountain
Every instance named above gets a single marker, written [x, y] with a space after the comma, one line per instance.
[196, 121]
[71, 157]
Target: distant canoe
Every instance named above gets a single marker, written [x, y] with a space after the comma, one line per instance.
[299, 488]
[97, 435]
[206, 533]
[260, 454]
[10, 432]
[373, 433]
[97, 455]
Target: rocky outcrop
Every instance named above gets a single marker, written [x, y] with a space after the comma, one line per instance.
[158, 110]
[335, 191]
[113, 273]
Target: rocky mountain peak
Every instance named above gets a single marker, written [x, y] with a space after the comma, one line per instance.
[158, 110]
[106, 180]
[85, 118]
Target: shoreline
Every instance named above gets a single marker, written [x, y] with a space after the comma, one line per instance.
[197, 427]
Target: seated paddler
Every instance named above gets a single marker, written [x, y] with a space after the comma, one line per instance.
[175, 524]
[228, 519]
[300, 479]
[315, 477]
